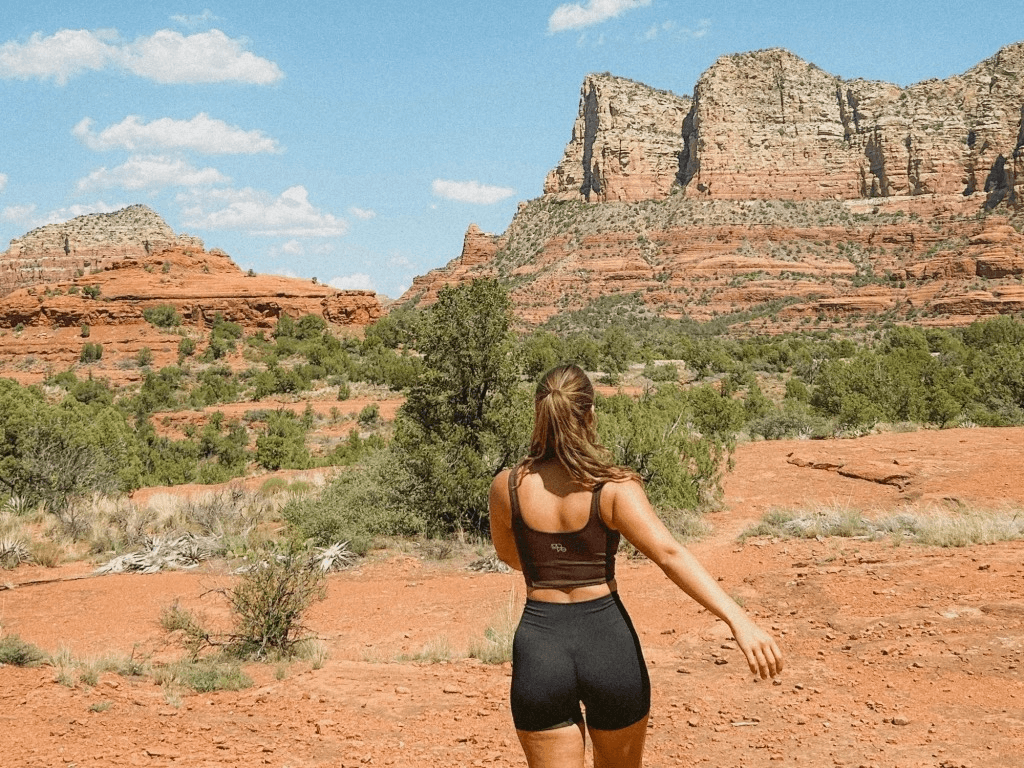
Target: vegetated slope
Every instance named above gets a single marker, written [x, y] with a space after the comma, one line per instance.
[91, 279]
[777, 184]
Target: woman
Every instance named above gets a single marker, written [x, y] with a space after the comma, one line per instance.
[558, 517]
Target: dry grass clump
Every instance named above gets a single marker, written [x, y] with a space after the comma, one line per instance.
[934, 527]
[495, 647]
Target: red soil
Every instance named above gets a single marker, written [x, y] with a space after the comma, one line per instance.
[896, 655]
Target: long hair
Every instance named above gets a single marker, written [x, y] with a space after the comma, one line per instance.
[563, 429]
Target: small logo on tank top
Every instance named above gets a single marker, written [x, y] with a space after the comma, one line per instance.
[558, 548]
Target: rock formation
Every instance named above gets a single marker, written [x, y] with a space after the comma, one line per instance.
[87, 244]
[625, 145]
[102, 271]
[780, 191]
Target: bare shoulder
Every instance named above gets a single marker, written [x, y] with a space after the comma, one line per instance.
[620, 497]
[498, 498]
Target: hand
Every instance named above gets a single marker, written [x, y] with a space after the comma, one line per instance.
[763, 655]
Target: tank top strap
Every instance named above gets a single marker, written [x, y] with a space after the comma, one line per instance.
[595, 503]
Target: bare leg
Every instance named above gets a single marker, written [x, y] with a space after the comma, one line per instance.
[623, 748]
[557, 748]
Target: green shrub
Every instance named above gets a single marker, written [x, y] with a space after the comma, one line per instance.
[354, 507]
[85, 331]
[282, 444]
[369, 415]
[144, 357]
[15, 651]
[186, 348]
[162, 316]
[91, 353]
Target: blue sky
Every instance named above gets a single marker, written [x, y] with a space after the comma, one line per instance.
[356, 141]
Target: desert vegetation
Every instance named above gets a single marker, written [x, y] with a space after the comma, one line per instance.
[464, 374]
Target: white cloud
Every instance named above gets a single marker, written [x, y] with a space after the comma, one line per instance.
[578, 16]
[671, 28]
[359, 213]
[256, 212]
[355, 282]
[152, 172]
[59, 56]
[166, 57]
[206, 57]
[702, 28]
[200, 134]
[293, 248]
[195, 19]
[3, 181]
[19, 214]
[470, 191]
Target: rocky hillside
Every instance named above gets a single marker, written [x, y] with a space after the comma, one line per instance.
[780, 191]
[90, 280]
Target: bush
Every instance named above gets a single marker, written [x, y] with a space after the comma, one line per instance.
[269, 601]
[91, 353]
[186, 348]
[144, 357]
[282, 445]
[369, 415]
[85, 331]
[354, 507]
[162, 316]
[15, 651]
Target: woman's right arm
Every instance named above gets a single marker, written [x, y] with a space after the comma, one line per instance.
[501, 521]
[634, 517]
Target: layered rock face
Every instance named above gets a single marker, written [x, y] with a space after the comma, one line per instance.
[625, 145]
[101, 272]
[780, 191]
[770, 125]
[87, 243]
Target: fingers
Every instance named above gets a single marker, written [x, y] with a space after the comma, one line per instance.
[764, 658]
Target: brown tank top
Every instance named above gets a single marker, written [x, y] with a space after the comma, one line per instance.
[564, 560]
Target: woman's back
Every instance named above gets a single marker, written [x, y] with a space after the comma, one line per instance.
[550, 500]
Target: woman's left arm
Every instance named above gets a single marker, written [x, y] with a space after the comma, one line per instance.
[634, 517]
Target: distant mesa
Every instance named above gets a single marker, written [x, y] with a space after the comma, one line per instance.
[776, 186]
[106, 269]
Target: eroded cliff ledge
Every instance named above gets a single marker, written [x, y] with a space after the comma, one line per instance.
[102, 271]
[778, 191]
[769, 125]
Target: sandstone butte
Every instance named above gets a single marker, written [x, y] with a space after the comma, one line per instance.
[778, 190]
[136, 261]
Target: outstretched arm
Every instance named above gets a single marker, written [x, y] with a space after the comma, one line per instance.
[634, 517]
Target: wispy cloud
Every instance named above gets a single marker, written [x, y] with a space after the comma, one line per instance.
[577, 15]
[19, 214]
[672, 29]
[152, 172]
[362, 213]
[3, 181]
[200, 134]
[258, 213]
[166, 56]
[354, 282]
[470, 191]
[196, 19]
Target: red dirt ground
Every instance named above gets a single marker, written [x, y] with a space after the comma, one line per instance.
[896, 655]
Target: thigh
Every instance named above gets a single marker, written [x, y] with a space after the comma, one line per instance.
[544, 691]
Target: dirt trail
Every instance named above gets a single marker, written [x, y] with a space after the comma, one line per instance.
[896, 655]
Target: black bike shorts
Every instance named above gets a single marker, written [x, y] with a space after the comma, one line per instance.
[567, 653]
